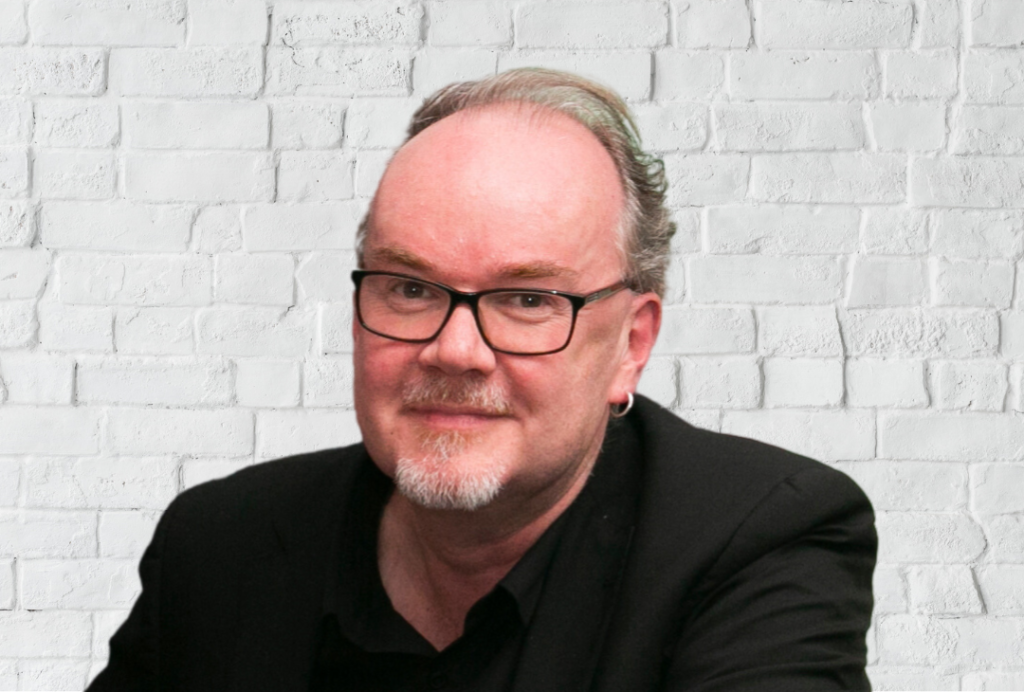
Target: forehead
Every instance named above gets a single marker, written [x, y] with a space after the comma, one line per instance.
[504, 190]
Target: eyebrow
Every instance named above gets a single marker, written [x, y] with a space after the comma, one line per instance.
[529, 270]
[394, 255]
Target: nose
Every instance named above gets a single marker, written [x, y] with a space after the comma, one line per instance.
[460, 347]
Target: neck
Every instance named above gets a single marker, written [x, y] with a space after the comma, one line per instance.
[435, 564]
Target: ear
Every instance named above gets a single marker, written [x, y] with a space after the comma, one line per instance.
[643, 325]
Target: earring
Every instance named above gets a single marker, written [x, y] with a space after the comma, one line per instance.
[619, 410]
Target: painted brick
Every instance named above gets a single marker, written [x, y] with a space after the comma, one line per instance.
[153, 331]
[943, 589]
[890, 591]
[972, 284]
[628, 73]
[325, 276]
[75, 328]
[1012, 334]
[23, 273]
[994, 76]
[49, 430]
[908, 125]
[970, 234]
[37, 378]
[921, 74]
[350, 23]
[972, 386]
[328, 382]
[142, 431]
[826, 435]
[43, 71]
[802, 382]
[997, 23]
[73, 174]
[886, 281]
[904, 332]
[13, 172]
[963, 642]
[789, 127]
[218, 229]
[1006, 537]
[688, 236]
[834, 75]
[16, 122]
[169, 382]
[17, 224]
[672, 126]
[886, 383]
[993, 681]
[782, 230]
[585, 25]
[107, 22]
[46, 534]
[267, 383]
[469, 24]
[224, 22]
[148, 483]
[53, 674]
[995, 488]
[660, 381]
[798, 331]
[115, 225]
[305, 124]
[762, 279]
[281, 433]
[378, 123]
[337, 71]
[6, 585]
[254, 331]
[10, 482]
[370, 167]
[196, 72]
[195, 125]
[689, 330]
[196, 471]
[911, 485]
[75, 123]
[928, 537]
[811, 24]
[939, 23]
[17, 324]
[828, 178]
[135, 279]
[255, 279]
[45, 634]
[78, 584]
[125, 534]
[698, 75]
[707, 382]
[894, 231]
[289, 227]
[713, 24]
[334, 326]
[314, 176]
[436, 68]
[1002, 588]
[13, 29]
[105, 624]
[199, 177]
[702, 179]
[950, 437]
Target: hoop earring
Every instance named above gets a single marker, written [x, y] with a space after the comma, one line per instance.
[618, 412]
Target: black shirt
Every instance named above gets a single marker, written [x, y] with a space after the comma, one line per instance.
[364, 645]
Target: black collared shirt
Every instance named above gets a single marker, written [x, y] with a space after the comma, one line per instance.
[364, 645]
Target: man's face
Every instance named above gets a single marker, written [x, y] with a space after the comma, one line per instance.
[498, 198]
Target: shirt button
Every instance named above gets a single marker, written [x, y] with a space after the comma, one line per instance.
[438, 680]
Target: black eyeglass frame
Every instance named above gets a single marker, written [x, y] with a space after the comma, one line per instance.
[456, 298]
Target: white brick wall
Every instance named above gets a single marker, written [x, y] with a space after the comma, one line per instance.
[180, 185]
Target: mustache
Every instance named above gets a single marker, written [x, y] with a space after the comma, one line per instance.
[471, 390]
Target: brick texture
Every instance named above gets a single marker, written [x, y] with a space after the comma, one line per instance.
[180, 188]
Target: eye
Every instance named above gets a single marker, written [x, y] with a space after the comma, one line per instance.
[412, 290]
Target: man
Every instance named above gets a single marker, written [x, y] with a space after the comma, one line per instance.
[516, 518]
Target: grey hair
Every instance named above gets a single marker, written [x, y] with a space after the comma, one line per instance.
[647, 226]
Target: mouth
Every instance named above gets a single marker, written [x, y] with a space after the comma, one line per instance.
[440, 416]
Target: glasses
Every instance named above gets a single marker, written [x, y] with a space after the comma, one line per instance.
[517, 321]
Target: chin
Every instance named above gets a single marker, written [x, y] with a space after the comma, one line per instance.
[441, 477]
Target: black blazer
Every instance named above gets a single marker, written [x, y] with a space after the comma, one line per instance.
[745, 567]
